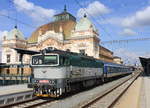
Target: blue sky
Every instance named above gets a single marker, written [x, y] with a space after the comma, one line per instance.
[114, 19]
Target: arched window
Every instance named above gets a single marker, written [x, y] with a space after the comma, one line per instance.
[4, 38]
[16, 36]
[8, 58]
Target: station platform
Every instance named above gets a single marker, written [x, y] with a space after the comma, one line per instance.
[137, 96]
[12, 89]
[145, 93]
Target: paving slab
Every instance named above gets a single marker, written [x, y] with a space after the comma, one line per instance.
[145, 93]
[131, 97]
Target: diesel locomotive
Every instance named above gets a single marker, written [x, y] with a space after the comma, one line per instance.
[57, 72]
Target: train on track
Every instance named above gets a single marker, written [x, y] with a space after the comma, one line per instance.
[58, 72]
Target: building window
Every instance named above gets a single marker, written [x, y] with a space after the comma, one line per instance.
[17, 69]
[82, 51]
[0, 71]
[16, 36]
[8, 58]
[7, 71]
[4, 37]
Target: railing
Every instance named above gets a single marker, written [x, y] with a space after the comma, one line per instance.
[15, 74]
[13, 79]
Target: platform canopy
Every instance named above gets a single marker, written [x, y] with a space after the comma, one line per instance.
[146, 64]
[28, 52]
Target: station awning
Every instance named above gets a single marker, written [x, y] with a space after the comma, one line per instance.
[28, 52]
[145, 64]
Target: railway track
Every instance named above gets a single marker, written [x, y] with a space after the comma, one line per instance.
[110, 97]
[29, 103]
[37, 102]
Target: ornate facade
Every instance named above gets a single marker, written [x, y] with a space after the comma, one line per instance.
[14, 39]
[63, 33]
[105, 54]
[117, 60]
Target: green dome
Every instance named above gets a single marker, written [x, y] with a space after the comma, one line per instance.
[15, 33]
[84, 24]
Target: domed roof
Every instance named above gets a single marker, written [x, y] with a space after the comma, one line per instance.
[67, 26]
[84, 24]
[15, 33]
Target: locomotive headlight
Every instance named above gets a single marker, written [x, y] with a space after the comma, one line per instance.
[52, 82]
[36, 81]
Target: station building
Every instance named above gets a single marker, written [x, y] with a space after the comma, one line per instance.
[64, 33]
[15, 38]
[117, 60]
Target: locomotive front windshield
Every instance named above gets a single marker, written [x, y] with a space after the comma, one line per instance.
[45, 60]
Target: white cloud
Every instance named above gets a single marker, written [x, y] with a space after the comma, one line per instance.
[112, 20]
[139, 19]
[130, 57]
[128, 32]
[146, 55]
[93, 9]
[37, 13]
[127, 56]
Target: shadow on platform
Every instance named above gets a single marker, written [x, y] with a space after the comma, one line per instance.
[144, 74]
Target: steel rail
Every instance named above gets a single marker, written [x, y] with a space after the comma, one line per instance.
[18, 103]
[26, 102]
[123, 92]
[109, 91]
[39, 104]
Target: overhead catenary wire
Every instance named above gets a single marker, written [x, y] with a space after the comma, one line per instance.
[44, 18]
[11, 8]
[19, 21]
[103, 42]
[31, 26]
[16, 19]
[100, 16]
[125, 41]
[108, 34]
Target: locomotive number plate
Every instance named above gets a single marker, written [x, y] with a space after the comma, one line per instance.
[43, 81]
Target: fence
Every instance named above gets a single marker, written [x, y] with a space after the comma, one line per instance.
[15, 74]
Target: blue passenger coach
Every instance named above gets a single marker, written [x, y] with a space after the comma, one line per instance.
[112, 70]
